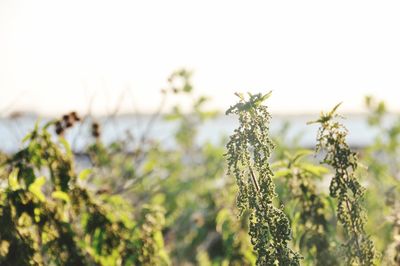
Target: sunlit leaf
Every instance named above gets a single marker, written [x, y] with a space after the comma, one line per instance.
[84, 174]
[4, 248]
[13, 179]
[316, 170]
[27, 137]
[36, 188]
[282, 173]
[61, 195]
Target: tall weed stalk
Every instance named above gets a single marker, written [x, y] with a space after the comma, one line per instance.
[249, 151]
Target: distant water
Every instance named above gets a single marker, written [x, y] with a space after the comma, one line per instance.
[13, 130]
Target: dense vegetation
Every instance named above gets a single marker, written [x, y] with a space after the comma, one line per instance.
[260, 200]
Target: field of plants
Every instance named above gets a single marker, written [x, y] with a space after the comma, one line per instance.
[252, 199]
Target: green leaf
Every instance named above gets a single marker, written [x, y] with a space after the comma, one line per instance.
[282, 173]
[36, 188]
[222, 217]
[172, 117]
[208, 114]
[300, 154]
[200, 101]
[4, 248]
[67, 147]
[27, 137]
[13, 180]
[333, 111]
[33, 134]
[316, 170]
[278, 164]
[187, 88]
[61, 195]
[84, 174]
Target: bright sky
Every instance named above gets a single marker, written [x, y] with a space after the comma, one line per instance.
[54, 55]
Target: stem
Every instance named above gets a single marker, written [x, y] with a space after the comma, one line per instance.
[253, 177]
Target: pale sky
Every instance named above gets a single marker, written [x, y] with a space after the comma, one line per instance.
[54, 55]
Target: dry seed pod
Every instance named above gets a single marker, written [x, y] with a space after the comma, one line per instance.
[68, 122]
[65, 117]
[59, 128]
[95, 130]
[65, 122]
[75, 116]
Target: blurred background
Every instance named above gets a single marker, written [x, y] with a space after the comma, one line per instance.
[56, 56]
[106, 57]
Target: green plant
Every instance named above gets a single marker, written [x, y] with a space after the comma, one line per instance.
[382, 158]
[359, 248]
[184, 178]
[313, 221]
[248, 152]
[199, 219]
[145, 203]
[48, 217]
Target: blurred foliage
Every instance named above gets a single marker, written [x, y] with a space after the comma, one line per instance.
[383, 197]
[137, 201]
[312, 221]
[48, 217]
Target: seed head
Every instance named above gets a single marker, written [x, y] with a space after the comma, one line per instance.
[95, 130]
[75, 116]
[59, 128]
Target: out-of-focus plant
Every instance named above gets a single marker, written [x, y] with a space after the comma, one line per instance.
[186, 179]
[382, 158]
[49, 218]
[312, 221]
[248, 152]
[359, 248]
[284, 142]
[200, 224]
[180, 83]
